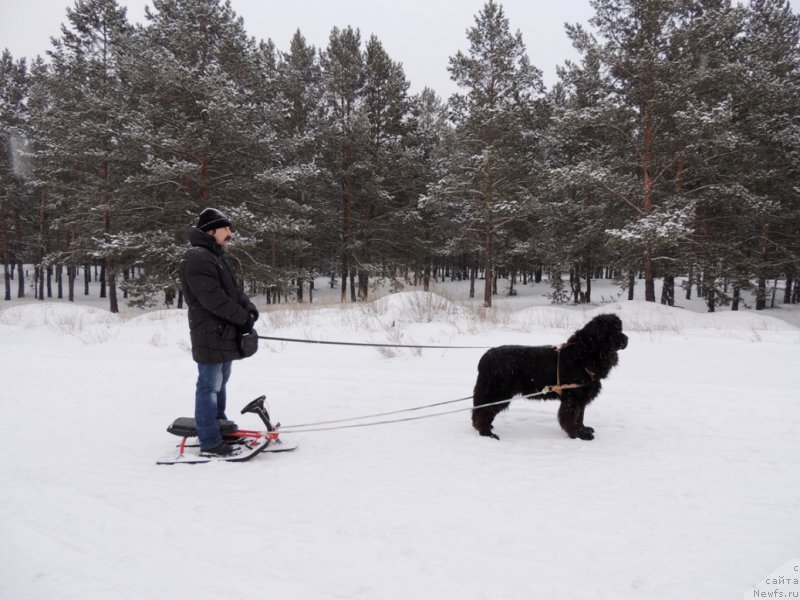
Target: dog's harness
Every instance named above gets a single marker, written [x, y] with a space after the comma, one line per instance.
[558, 387]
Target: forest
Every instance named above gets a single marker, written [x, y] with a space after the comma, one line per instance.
[669, 151]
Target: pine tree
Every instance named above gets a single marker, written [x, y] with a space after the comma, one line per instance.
[767, 104]
[575, 214]
[14, 165]
[79, 127]
[345, 136]
[492, 119]
[427, 229]
[293, 180]
[386, 198]
[655, 103]
[192, 75]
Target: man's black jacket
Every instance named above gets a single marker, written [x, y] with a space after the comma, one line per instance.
[218, 307]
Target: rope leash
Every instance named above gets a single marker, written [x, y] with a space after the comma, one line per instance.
[383, 414]
[333, 343]
[312, 427]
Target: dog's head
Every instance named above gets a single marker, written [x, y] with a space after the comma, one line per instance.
[604, 332]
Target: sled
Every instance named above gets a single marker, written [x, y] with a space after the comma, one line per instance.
[247, 442]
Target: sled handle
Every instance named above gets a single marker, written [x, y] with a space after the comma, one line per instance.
[257, 406]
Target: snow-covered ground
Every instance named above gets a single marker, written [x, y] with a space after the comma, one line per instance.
[691, 488]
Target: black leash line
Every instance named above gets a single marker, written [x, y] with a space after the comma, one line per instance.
[331, 343]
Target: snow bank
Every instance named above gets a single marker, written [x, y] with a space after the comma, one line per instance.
[66, 317]
[87, 324]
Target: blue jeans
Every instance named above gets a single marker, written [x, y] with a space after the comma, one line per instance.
[209, 401]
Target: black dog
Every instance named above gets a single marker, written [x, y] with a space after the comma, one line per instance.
[574, 371]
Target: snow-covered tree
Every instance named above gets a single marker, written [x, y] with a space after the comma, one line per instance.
[493, 120]
[291, 178]
[14, 166]
[386, 196]
[78, 128]
[195, 113]
[345, 136]
[767, 102]
[655, 106]
[362, 139]
[429, 140]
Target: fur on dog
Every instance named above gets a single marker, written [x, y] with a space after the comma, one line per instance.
[586, 359]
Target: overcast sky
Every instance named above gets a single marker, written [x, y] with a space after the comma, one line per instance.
[421, 34]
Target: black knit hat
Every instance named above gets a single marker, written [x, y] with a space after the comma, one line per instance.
[211, 218]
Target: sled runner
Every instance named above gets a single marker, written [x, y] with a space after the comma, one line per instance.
[247, 442]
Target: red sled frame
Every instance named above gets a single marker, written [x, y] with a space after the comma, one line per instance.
[256, 406]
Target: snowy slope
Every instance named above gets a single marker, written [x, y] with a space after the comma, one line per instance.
[690, 489]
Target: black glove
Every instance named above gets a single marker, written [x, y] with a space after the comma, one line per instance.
[252, 317]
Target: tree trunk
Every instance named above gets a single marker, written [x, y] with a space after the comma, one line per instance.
[41, 282]
[347, 219]
[761, 294]
[72, 273]
[647, 204]
[472, 276]
[18, 252]
[20, 279]
[343, 296]
[113, 302]
[588, 297]
[575, 284]
[363, 285]
[774, 293]
[6, 253]
[45, 249]
[668, 290]
[488, 267]
[111, 272]
[631, 283]
[710, 293]
[689, 283]
[102, 280]
[649, 276]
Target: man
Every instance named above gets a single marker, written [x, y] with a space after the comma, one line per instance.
[219, 314]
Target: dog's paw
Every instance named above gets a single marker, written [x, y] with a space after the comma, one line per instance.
[489, 434]
[587, 433]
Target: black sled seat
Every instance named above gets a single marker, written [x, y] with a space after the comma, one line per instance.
[186, 427]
